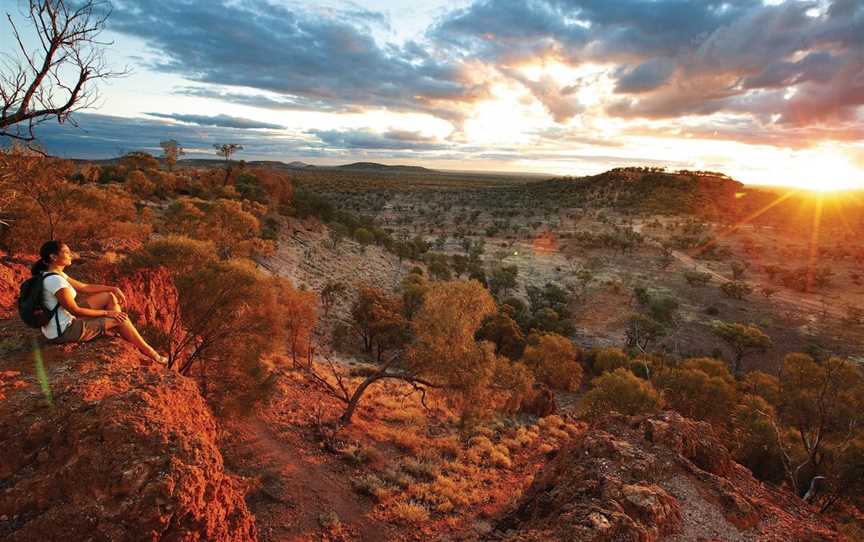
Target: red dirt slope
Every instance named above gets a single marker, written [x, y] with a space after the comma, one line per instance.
[125, 450]
[652, 478]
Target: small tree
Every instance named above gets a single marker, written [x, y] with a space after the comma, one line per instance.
[330, 293]
[378, 320]
[502, 279]
[444, 354]
[643, 332]
[414, 287]
[171, 152]
[697, 394]
[736, 289]
[609, 359]
[298, 308]
[743, 339]
[620, 391]
[554, 360]
[824, 403]
[226, 150]
[504, 332]
[755, 440]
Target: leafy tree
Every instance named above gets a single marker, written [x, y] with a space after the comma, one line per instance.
[609, 359]
[643, 332]
[554, 360]
[138, 184]
[298, 308]
[378, 320]
[502, 279]
[743, 339]
[414, 288]
[697, 394]
[461, 264]
[824, 403]
[620, 391]
[229, 314]
[363, 236]
[226, 150]
[504, 332]
[235, 231]
[445, 347]
[711, 367]
[330, 293]
[439, 266]
[171, 152]
[697, 278]
[755, 439]
[139, 160]
[736, 289]
[762, 385]
[444, 354]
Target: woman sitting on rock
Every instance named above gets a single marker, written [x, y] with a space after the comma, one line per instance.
[81, 320]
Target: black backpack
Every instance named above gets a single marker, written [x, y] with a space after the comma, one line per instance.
[30, 306]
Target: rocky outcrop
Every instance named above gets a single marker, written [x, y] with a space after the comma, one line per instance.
[105, 446]
[653, 478]
[12, 273]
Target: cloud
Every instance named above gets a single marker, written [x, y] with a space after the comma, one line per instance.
[312, 59]
[224, 121]
[645, 77]
[104, 136]
[673, 58]
[366, 139]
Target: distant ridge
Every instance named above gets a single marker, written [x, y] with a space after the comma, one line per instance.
[383, 167]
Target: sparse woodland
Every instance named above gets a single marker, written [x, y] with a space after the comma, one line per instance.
[471, 365]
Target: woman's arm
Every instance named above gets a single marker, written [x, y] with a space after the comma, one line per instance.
[64, 296]
[85, 288]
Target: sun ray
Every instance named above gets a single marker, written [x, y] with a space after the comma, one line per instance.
[735, 227]
[814, 242]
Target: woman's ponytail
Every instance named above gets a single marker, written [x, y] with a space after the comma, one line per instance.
[48, 248]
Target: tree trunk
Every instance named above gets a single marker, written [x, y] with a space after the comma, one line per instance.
[345, 419]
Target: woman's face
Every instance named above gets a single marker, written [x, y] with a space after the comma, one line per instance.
[64, 257]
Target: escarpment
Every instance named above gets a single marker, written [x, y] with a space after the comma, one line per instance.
[107, 447]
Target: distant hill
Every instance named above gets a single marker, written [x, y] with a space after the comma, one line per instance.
[649, 191]
[369, 166]
[298, 165]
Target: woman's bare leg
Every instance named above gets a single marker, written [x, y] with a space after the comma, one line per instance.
[128, 332]
[102, 300]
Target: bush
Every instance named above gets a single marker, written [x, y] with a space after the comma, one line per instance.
[554, 360]
[711, 367]
[620, 391]
[697, 395]
[763, 385]
[736, 289]
[756, 445]
[609, 359]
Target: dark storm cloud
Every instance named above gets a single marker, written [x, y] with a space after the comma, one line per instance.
[312, 57]
[364, 139]
[224, 121]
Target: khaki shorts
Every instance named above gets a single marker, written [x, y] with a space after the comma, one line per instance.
[83, 329]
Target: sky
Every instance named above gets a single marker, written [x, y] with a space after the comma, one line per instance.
[769, 92]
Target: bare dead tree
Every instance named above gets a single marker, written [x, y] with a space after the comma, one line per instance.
[57, 77]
